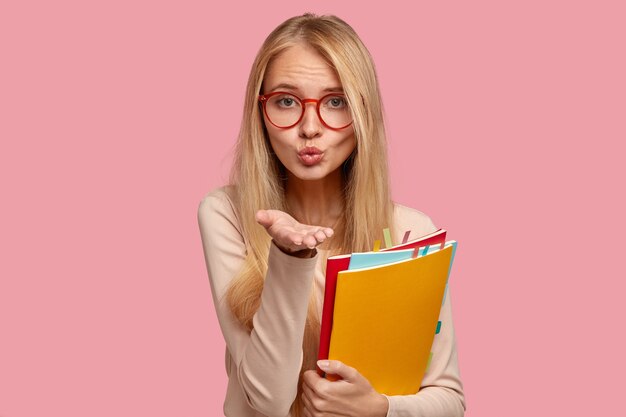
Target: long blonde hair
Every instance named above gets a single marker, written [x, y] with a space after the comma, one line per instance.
[256, 173]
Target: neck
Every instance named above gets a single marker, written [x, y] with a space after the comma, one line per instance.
[316, 202]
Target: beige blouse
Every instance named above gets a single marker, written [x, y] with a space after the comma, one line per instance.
[263, 366]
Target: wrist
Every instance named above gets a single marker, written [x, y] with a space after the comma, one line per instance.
[381, 405]
[304, 253]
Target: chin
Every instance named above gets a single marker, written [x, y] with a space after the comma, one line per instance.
[309, 176]
[309, 173]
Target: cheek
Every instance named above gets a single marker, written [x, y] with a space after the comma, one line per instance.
[349, 143]
[279, 142]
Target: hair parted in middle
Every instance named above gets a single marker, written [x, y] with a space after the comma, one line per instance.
[257, 179]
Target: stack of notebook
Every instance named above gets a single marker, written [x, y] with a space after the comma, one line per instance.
[381, 310]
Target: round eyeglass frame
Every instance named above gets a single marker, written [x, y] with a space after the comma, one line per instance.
[263, 98]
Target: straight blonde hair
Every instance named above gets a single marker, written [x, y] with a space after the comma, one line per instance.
[256, 176]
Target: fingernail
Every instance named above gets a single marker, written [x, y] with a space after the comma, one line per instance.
[323, 364]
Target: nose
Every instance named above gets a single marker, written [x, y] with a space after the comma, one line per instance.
[310, 126]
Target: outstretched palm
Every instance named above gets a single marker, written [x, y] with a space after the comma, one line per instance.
[288, 233]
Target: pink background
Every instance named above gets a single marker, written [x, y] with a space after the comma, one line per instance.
[506, 125]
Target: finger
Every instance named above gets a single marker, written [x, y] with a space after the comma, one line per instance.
[308, 392]
[307, 412]
[308, 405]
[311, 402]
[271, 216]
[320, 236]
[309, 241]
[328, 231]
[296, 238]
[264, 218]
[346, 372]
[309, 377]
[315, 393]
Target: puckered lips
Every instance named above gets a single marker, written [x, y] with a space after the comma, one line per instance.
[310, 155]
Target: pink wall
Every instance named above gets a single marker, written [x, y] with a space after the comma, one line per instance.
[115, 120]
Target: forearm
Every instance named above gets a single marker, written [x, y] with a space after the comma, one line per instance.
[429, 402]
[271, 363]
[266, 362]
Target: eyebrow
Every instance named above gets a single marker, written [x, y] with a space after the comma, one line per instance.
[293, 87]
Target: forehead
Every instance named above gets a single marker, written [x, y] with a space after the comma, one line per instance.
[303, 68]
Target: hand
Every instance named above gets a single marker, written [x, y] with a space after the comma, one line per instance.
[289, 235]
[352, 395]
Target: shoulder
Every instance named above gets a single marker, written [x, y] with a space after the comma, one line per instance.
[219, 195]
[407, 218]
[218, 203]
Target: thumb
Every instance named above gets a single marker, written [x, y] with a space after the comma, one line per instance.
[346, 372]
[263, 218]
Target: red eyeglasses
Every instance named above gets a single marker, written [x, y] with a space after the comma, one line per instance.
[285, 110]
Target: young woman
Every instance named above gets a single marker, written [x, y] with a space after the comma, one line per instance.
[309, 181]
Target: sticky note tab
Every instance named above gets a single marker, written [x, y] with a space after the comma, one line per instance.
[430, 357]
[415, 252]
[376, 246]
[406, 237]
[387, 235]
[438, 327]
[454, 245]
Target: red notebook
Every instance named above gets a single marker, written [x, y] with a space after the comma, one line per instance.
[338, 263]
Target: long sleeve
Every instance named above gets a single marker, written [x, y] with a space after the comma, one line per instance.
[441, 393]
[268, 360]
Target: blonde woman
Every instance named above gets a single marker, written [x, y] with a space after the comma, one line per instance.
[309, 180]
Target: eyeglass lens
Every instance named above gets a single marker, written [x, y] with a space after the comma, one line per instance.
[285, 109]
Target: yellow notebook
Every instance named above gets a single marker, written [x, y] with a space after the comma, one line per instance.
[385, 319]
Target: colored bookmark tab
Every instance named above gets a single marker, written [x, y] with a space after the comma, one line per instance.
[430, 357]
[387, 235]
[406, 237]
[376, 246]
[454, 245]
[415, 252]
[438, 327]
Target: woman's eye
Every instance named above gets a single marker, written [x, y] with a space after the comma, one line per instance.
[286, 101]
[336, 102]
